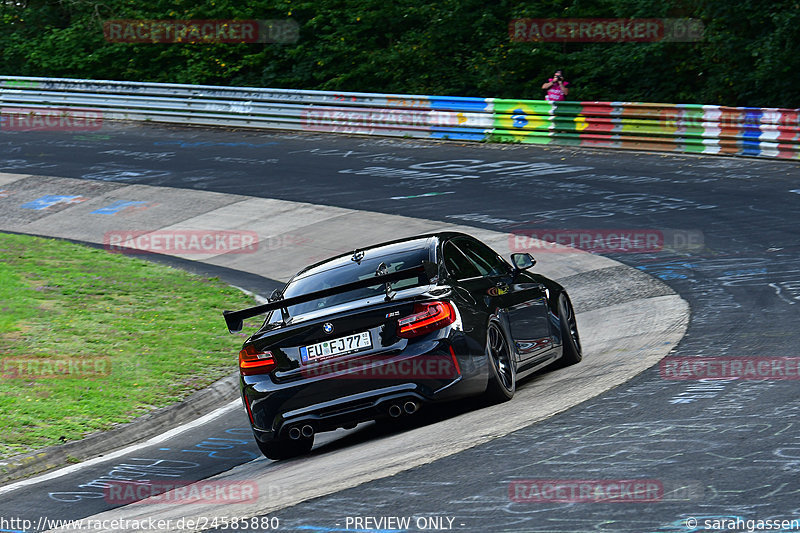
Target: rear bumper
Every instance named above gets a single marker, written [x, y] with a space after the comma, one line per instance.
[349, 394]
[344, 412]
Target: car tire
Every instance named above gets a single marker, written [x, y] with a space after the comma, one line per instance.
[502, 370]
[285, 448]
[570, 339]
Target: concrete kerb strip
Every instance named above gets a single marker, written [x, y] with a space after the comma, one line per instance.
[291, 235]
[305, 233]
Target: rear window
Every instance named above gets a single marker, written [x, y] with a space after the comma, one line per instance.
[350, 272]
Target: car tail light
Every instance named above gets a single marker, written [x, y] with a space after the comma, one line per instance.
[254, 361]
[427, 317]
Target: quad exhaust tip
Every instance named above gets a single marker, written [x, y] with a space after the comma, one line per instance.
[306, 431]
[409, 408]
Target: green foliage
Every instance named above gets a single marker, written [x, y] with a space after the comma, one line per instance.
[157, 331]
[448, 47]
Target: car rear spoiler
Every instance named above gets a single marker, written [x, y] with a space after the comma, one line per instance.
[235, 319]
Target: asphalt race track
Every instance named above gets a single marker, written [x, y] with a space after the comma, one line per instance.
[290, 236]
[714, 448]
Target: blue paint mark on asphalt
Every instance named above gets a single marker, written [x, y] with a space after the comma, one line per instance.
[462, 134]
[116, 207]
[667, 271]
[50, 200]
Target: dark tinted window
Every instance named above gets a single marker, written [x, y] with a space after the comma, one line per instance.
[457, 264]
[350, 272]
[484, 258]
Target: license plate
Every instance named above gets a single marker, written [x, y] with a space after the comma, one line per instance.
[332, 348]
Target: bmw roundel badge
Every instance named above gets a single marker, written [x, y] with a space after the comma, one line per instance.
[327, 327]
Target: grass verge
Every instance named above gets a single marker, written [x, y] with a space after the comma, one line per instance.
[90, 339]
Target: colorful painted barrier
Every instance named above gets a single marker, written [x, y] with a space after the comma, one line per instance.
[48, 103]
[687, 128]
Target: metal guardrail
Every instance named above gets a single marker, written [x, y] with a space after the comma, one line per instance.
[365, 113]
[761, 132]
[688, 128]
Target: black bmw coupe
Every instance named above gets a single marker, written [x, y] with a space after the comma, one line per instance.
[382, 331]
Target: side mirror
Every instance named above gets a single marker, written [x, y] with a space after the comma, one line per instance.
[522, 261]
